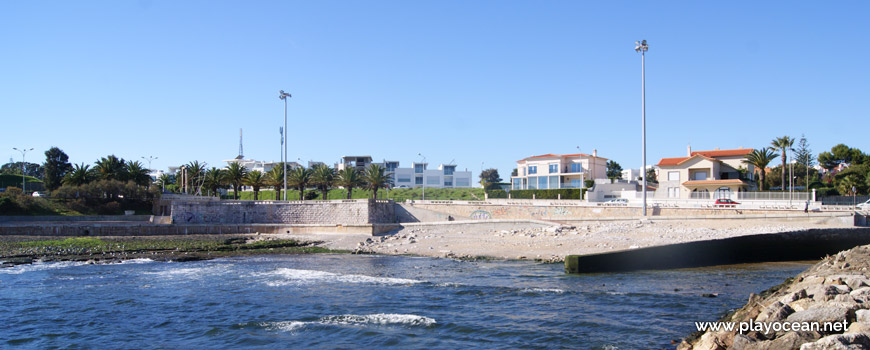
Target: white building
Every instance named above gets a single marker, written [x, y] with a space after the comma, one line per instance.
[258, 165]
[553, 171]
[420, 175]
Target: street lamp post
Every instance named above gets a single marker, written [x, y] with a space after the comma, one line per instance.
[642, 47]
[23, 168]
[149, 159]
[424, 175]
[283, 96]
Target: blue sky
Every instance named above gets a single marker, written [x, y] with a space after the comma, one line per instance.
[461, 81]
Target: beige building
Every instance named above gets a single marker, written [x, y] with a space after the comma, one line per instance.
[705, 174]
[554, 171]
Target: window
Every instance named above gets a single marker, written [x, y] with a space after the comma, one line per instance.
[391, 166]
[533, 183]
[673, 176]
[723, 192]
[700, 176]
[524, 171]
[576, 167]
[405, 179]
[462, 183]
[542, 182]
[533, 169]
[554, 168]
[433, 180]
[517, 184]
[418, 180]
[673, 192]
[418, 168]
[448, 183]
[576, 184]
[554, 182]
[448, 170]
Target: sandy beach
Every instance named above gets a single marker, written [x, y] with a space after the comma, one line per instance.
[550, 242]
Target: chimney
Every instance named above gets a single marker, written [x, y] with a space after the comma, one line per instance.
[689, 151]
[595, 153]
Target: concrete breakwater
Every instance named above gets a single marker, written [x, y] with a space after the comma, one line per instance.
[829, 304]
[807, 244]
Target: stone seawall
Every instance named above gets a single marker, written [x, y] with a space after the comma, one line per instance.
[337, 212]
[135, 229]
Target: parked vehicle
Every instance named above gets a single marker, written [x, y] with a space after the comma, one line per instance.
[725, 202]
[40, 194]
[864, 206]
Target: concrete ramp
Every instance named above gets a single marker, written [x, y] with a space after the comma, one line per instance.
[406, 212]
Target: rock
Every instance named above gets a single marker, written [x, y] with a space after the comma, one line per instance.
[794, 296]
[827, 292]
[802, 304]
[862, 316]
[859, 327]
[820, 314]
[849, 341]
[792, 340]
[709, 341]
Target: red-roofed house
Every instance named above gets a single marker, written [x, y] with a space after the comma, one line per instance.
[704, 174]
[553, 171]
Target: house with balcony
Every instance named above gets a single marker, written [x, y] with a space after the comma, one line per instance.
[705, 174]
[554, 171]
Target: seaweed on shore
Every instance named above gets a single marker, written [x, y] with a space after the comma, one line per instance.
[162, 248]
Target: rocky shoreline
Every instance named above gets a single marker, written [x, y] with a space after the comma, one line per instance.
[829, 304]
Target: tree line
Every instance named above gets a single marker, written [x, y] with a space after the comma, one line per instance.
[196, 179]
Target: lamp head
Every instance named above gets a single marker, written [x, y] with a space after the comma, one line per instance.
[283, 95]
[641, 46]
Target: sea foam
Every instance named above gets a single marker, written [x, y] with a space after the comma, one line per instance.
[300, 277]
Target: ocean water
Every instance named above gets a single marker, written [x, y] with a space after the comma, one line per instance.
[362, 302]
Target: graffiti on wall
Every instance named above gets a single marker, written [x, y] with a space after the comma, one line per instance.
[480, 215]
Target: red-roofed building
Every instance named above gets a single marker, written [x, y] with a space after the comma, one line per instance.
[553, 171]
[705, 174]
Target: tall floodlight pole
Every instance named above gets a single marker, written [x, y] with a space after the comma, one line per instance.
[642, 47]
[424, 175]
[283, 96]
[23, 168]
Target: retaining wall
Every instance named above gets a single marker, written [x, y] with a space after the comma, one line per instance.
[344, 212]
[566, 212]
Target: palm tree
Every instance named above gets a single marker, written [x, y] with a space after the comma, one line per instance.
[375, 179]
[349, 178]
[79, 175]
[759, 158]
[298, 178]
[164, 180]
[275, 178]
[234, 175]
[846, 184]
[214, 180]
[323, 177]
[783, 144]
[138, 174]
[256, 180]
[110, 168]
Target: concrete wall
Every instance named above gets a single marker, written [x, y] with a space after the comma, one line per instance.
[345, 212]
[566, 212]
